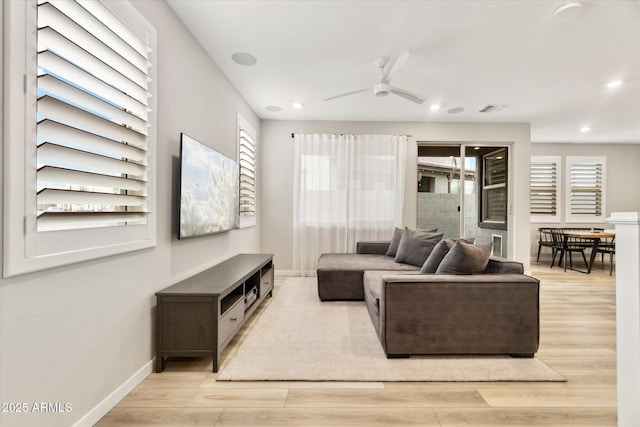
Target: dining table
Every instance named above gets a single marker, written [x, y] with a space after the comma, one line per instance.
[594, 236]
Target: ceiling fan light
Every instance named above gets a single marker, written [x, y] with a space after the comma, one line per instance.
[381, 89]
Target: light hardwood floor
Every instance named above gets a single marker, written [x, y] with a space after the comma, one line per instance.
[577, 339]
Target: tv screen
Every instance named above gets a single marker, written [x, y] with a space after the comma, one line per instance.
[209, 190]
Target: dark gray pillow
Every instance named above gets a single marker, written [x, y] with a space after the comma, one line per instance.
[442, 248]
[465, 258]
[416, 246]
[395, 241]
[435, 258]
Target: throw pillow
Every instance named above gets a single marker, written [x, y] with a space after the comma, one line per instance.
[442, 248]
[465, 258]
[416, 246]
[435, 258]
[395, 241]
[392, 250]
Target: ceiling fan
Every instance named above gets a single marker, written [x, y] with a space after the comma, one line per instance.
[388, 67]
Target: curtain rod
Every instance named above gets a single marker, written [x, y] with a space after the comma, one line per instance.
[342, 134]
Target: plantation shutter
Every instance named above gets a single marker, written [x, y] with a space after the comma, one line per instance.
[247, 160]
[92, 118]
[586, 196]
[544, 188]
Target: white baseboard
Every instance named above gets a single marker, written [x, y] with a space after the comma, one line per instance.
[283, 272]
[101, 409]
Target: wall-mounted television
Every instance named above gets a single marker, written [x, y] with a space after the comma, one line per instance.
[209, 190]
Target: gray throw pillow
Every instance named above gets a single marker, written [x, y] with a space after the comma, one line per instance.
[395, 241]
[442, 248]
[465, 258]
[392, 250]
[416, 246]
[435, 258]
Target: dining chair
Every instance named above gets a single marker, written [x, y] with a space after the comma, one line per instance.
[607, 247]
[566, 245]
[544, 240]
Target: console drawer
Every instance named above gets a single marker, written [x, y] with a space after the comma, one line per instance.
[266, 283]
[230, 322]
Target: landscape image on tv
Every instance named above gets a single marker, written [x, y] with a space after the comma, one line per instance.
[209, 187]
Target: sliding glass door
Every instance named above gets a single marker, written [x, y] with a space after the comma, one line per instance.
[462, 191]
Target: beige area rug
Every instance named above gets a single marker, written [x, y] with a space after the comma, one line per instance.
[300, 338]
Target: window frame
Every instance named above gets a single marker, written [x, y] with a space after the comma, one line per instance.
[483, 188]
[244, 125]
[25, 249]
[557, 218]
[574, 218]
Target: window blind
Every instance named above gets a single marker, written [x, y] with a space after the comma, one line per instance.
[544, 188]
[586, 189]
[92, 118]
[247, 160]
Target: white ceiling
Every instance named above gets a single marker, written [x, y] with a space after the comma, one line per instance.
[551, 72]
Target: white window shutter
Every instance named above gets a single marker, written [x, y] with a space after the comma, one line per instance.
[586, 189]
[544, 189]
[79, 134]
[247, 159]
[92, 112]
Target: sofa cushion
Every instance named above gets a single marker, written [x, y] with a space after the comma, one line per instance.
[395, 241]
[415, 246]
[340, 275]
[498, 265]
[435, 258]
[465, 258]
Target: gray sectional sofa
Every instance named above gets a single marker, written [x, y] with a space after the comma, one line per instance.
[495, 312]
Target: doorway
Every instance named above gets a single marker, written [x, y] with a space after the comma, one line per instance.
[462, 191]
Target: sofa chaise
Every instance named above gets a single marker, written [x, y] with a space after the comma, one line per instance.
[494, 312]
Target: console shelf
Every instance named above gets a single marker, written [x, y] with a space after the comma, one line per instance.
[198, 316]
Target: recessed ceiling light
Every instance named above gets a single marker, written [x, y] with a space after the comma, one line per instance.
[476, 148]
[273, 108]
[242, 58]
[298, 105]
[614, 83]
[434, 107]
[455, 110]
[568, 10]
[584, 129]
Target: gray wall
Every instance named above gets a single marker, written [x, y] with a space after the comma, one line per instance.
[441, 210]
[276, 222]
[84, 333]
[622, 180]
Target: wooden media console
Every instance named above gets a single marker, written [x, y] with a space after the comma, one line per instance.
[197, 317]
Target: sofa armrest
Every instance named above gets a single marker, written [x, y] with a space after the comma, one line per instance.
[455, 314]
[375, 248]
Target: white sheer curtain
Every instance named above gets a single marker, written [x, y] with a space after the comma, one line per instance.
[347, 188]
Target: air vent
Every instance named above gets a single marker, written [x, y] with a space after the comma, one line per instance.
[492, 108]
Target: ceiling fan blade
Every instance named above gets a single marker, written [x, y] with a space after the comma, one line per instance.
[394, 64]
[347, 94]
[414, 97]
